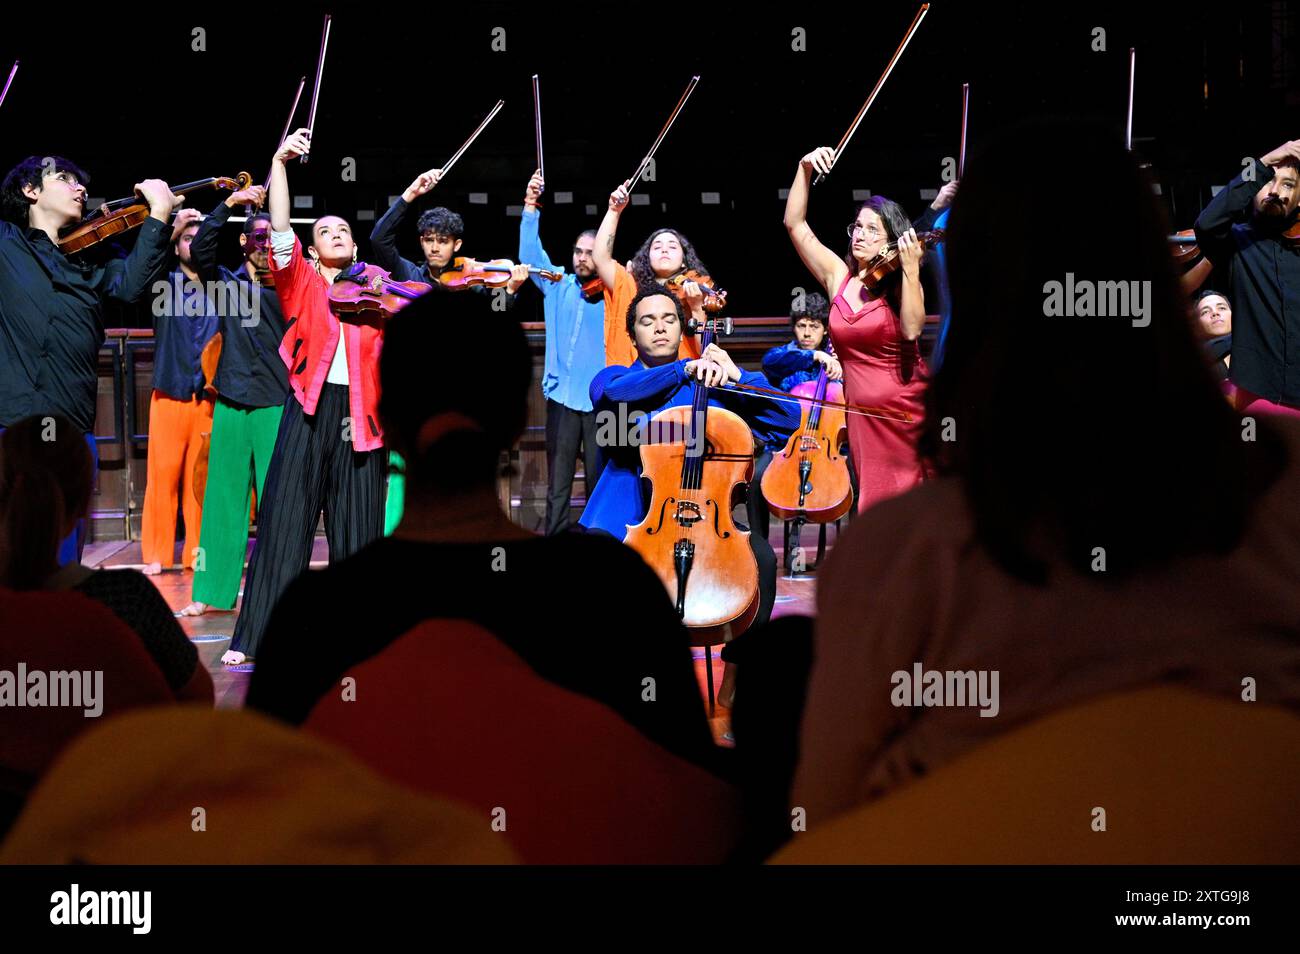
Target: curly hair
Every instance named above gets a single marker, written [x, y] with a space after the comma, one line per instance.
[31, 172]
[644, 274]
[441, 221]
[652, 292]
[815, 308]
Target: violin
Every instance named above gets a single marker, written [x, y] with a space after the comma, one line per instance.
[364, 292]
[465, 273]
[1194, 267]
[887, 260]
[715, 299]
[593, 287]
[697, 460]
[122, 215]
[809, 480]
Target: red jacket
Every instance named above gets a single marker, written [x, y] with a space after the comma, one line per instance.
[310, 339]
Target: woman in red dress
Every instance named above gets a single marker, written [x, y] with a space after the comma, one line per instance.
[875, 332]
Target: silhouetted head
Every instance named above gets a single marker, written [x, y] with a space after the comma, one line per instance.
[46, 474]
[451, 414]
[1074, 402]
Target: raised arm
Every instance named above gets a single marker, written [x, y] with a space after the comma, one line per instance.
[1232, 205]
[298, 144]
[384, 236]
[827, 267]
[128, 279]
[603, 253]
[531, 251]
[203, 248]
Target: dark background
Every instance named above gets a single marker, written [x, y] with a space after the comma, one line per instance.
[404, 86]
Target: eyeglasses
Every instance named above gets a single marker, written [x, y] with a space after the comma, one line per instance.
[67, 178]
[854, 229]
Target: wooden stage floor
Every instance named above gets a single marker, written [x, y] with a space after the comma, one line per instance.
[211, 632]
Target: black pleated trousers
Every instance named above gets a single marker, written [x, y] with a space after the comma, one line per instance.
[313, 468]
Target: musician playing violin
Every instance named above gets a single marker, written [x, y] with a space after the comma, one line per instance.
[442, 233]
[1242, 231]
[575, 352]
[52, 304]
[666, 254]
[659, 379]
[875, 330]
[252, 383]
[185, 317]
[329, 450]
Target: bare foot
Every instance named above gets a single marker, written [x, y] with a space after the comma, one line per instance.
[194, 609]
[152, 569]
[233, 658]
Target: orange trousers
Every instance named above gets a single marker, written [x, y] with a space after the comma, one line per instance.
[175, 438]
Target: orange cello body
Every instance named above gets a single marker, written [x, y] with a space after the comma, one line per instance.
[688, 536]
[810, 478]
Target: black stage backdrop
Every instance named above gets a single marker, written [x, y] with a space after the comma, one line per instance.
[130, 96]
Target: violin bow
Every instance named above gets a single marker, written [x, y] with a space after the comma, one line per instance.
[884, 414]
[857, 121]
[9, 82]
[690, 88]
[315, 93]
[1128, 123]
[537, 122]
[474, 135]
[288, 123]
[965, 107]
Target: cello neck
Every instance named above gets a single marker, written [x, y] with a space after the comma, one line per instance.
[819, 398]
[698, 428]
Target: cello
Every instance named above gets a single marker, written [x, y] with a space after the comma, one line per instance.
[688, 536]
[813, 451]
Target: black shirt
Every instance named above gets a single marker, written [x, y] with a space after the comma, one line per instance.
[251, 372]
[1264, 281]
[585, 612]
[52, 318]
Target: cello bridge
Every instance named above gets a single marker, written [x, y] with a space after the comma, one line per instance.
[688, 513]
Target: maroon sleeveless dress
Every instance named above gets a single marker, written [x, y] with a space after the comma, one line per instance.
[881, 369]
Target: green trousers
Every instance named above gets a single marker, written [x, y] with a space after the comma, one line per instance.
[396, 492]
[239, 453]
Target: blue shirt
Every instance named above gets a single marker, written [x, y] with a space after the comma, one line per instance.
[788, 365]
[575, 327]
[617, 393]
[184, 320]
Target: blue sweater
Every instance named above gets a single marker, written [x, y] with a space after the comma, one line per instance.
[788, 365]
[618, 500]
